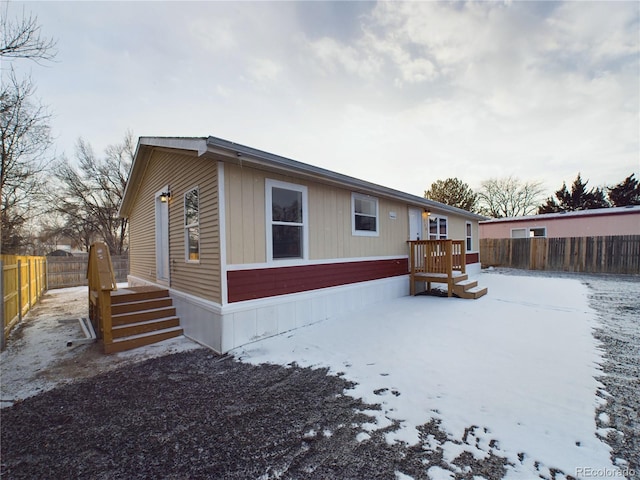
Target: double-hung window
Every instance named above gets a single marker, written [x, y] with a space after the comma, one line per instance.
[192, 225]
[437, 228]
[365, 220]
[469, 237]
[287, 220]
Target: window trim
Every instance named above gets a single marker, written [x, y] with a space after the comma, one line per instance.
[364, 233]
[468, 226]
[188, 227]
[527, 231]
[269, 185]
[533, 235]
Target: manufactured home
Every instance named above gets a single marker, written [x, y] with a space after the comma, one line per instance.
[599, 222]
[251, 244]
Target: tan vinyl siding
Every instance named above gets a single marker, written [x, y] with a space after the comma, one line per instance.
[329, 220]
[182, 173]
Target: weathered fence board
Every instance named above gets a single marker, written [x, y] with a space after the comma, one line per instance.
[72, 271]
[612, 254]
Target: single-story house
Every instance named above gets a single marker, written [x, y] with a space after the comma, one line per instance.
[600, 222]
[251, 244]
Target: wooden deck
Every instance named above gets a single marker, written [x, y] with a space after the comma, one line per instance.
[442, 261]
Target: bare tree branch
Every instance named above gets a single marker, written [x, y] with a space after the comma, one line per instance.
[92, 192]
[21, 38]
[509, 197]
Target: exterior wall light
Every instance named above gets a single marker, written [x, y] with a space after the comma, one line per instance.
[165, 196]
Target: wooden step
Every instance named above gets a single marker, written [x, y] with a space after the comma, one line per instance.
[472, 293]
[135, 341]
[132, 329]
[142, 316]
[466, 284]
[149, 304]
[136, 294]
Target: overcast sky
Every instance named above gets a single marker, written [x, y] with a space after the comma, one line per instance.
[400, 94]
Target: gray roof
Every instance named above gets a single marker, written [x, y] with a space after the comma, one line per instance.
[224, 150]
[576, 214]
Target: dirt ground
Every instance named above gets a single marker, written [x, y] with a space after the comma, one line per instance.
[194, 414]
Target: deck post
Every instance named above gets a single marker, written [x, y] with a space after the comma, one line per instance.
[449, 266]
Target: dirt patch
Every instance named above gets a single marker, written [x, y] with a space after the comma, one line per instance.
[618, 419]
[198, 415]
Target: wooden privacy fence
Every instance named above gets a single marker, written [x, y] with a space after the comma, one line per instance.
[612, 254]
[23, 283]
[72, 271]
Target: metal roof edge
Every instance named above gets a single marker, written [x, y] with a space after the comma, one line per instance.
[242, 152]
[593, 212]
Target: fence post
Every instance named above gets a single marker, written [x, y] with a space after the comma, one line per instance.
[2, 325]
[29, 282]
[19, 282]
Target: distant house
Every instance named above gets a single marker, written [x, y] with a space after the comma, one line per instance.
[251, 244]
[584, 223]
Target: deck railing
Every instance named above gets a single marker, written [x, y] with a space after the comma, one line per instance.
[436, 257]
[102, 282]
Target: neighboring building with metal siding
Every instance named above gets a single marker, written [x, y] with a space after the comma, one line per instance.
[251, 244]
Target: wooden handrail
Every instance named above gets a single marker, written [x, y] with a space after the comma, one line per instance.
[102, 282]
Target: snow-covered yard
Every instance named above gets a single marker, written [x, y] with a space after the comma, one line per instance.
[513, 375]
[519, 365]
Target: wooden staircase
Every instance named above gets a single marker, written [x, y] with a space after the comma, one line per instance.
[141, 316]
[130, 317]
[465, 288]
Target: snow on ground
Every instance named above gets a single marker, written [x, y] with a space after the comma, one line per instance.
[519, 365]
[38, 359]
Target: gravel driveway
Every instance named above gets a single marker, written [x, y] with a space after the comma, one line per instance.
[199, 415]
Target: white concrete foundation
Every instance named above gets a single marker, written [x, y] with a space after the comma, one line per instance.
[224, 328]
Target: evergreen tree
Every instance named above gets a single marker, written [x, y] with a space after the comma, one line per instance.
[625, 193]
[579, 198]
[454, 192]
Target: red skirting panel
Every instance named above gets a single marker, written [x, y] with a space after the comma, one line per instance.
[472, 258]
[269, 282]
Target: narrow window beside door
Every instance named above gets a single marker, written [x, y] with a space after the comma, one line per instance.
[192, 225]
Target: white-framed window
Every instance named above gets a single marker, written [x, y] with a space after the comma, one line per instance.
[287, 221]
[537, 232]
[438, 227]
[365, 219]
[469, 234]
[192, 225]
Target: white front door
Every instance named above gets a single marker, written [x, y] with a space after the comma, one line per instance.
[162, 238]
[415, 224]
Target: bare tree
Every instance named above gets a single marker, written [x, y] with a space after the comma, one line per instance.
[24, 129]
[21, 38]
[509, 197]
[25, 139]
[91, 195]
